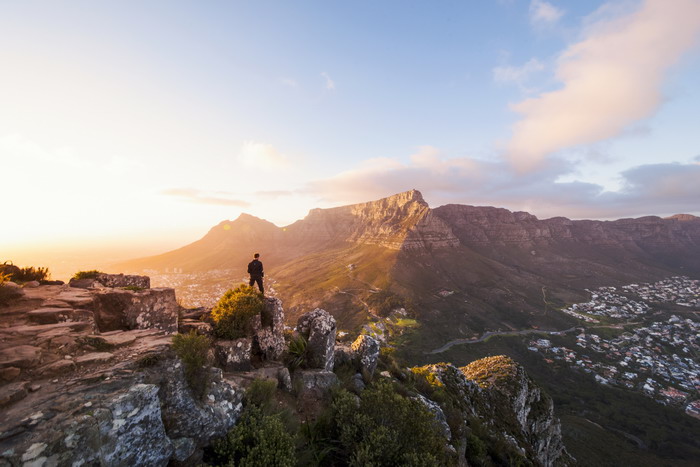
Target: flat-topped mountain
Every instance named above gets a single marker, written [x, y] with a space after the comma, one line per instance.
[490, 263]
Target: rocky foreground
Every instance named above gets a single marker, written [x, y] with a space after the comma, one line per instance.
[88, 377]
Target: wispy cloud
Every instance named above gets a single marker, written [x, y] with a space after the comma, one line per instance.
[610, 79]
[200, 197]
[261, 156]
[544, 13]
[289, 82]
[647, 189]
[517, 74]
[330, 84]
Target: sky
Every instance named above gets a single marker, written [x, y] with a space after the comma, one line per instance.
[140, 125]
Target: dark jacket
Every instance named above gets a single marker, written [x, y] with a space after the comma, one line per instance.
[255, 268]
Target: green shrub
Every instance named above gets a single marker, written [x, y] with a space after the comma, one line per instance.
[234, 311]
[133, 288]
[385, 428]
[4, 295]
[91, 274]
[193, 350]
[255, 441]
[30, 274]
[261, 393]
[296, 352]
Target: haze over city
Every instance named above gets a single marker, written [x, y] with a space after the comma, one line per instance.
[134, 129]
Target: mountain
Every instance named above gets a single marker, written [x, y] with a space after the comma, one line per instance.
[487, 267]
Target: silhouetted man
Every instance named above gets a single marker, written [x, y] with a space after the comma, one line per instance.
[255, 269]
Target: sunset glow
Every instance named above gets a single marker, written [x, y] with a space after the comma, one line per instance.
[135, 129]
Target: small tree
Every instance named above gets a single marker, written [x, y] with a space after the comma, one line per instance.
[234, 311]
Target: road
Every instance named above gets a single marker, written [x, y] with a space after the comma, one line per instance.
[488, 334]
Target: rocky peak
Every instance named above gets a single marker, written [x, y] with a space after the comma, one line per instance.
[401, 221]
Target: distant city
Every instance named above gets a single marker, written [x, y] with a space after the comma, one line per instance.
[656, 358]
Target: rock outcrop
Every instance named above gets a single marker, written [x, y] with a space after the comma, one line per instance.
[72, 394]
[319, 329]
[497, 391]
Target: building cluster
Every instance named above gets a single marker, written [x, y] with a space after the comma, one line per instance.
[202, 289]
[661, 359]
[678, 289]
[605, 301]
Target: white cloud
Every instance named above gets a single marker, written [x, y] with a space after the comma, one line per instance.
[517, 74]
[330, 84]
[200, 197]
[544, 13]
[261, 156]
[658, 189]
[611, 79]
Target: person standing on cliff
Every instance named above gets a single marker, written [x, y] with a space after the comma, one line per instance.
[255, 269]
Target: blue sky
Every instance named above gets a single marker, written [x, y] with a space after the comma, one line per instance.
[145, 123]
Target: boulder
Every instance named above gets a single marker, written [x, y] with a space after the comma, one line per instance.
[9, 373]
[135, 435]
[200, 421]
[357, 383]
[318, 328]
[10, 291]
[121, 280]
[268, 330]
[366, 351]
[31, 285]
[233, 355]
[312, 386]
[343, 355]
[117, 309]
[21, 356]
[13, 392]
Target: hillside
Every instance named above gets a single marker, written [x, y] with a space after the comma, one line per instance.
[488, 267]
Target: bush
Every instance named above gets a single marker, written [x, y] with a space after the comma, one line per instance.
[256, 440]
[234, 311]
[31, 274]
[385, 428]
[261, 436]
[91, 274]
[19, 275]
[297, 352]
[193, 350]
[261, 393]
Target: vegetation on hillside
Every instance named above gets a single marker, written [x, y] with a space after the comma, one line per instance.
[193, 349]
[384, 302]
[260, 437]
[26, 274]
[233, 312]
[91, 274]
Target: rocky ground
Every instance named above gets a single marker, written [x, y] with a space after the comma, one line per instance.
[89, 377]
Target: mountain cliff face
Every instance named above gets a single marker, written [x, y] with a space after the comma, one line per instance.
[496, 260]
